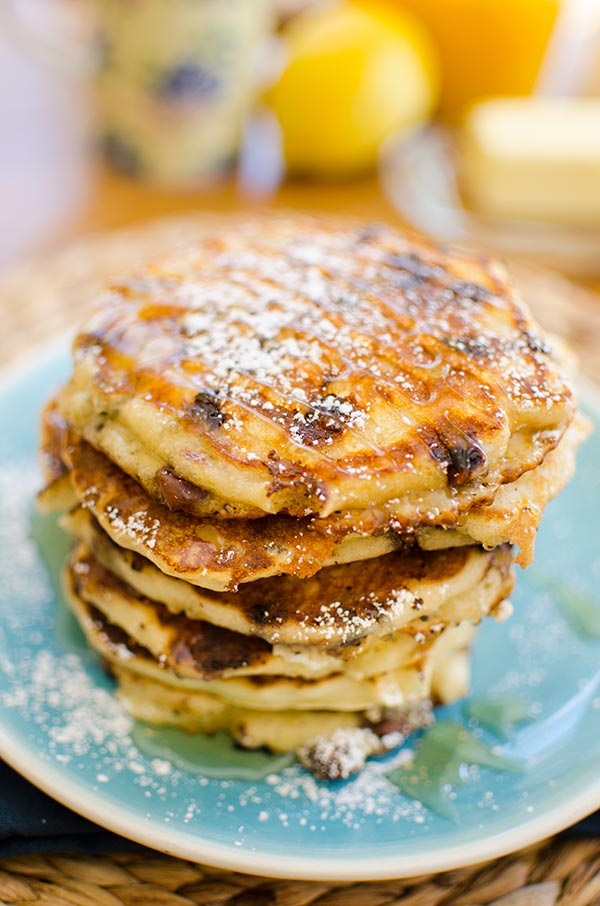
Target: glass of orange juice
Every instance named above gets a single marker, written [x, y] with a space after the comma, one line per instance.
[487, 47]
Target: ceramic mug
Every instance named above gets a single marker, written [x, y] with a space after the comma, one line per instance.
[173, 80]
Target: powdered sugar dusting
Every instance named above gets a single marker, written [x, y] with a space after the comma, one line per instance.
[342, 753]
[138, 526]
[21, 581]
[80, 719]
[336, 621]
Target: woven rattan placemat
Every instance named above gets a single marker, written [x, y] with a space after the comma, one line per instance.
[566, 874]
[40, 298]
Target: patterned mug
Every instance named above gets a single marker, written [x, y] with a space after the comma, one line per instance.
[173, 80]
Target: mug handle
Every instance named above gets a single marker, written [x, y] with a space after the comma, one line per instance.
[75, 57]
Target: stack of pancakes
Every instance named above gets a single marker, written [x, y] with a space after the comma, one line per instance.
[295, 458]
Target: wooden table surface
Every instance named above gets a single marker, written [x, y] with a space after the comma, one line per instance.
[116, 201]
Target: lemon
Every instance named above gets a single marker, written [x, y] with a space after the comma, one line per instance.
[355, 73]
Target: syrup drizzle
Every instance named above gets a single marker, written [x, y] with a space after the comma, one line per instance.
[580, 610]
[501, 715]
[440, 765]
[216, 756]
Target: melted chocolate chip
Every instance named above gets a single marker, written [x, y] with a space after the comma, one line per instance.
[460, 457]
[177, 493]
[136, 561]
[315, 428]
[466, 459]
[206, 406]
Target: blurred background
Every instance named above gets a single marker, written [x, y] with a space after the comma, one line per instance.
[475, 120]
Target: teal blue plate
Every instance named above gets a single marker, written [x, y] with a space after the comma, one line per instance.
[61, 726]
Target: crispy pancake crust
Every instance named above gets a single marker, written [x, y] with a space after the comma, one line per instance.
[196, 648]
[221, 554]
[155, 702]
[335, 692]
[339, 606]
[216, 553]
[301, 367]
[517, 509]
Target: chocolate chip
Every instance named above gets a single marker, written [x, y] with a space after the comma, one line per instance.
[177, 493]
[465, 461]
[206, 407]
[460, 457]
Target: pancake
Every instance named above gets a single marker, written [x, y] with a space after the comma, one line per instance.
[306, 368]
[52, 439]
[295, 459]
[156, 703]
[339, 606]
[219, 554]
[198, 649]
[335, 692]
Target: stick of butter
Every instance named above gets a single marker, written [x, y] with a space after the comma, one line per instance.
[533, 159]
